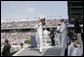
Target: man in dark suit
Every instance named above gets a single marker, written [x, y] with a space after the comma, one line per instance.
[6, 49]
[52, 37]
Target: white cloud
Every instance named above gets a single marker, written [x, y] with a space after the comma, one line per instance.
[30, 10]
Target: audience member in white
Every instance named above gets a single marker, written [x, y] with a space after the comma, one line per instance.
[40, 33]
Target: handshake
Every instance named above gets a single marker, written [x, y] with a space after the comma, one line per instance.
[58, 31]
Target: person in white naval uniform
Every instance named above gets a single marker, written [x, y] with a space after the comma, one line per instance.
[39, 32]
[63, 34]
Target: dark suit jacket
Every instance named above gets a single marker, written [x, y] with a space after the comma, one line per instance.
[52, 34]
[6, 50]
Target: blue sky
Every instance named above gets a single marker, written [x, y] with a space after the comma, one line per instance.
[21, 10]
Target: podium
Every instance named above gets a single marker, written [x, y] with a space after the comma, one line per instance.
[33, 41]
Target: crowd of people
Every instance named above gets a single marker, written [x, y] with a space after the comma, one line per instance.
[15, 38]
[19, 24]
